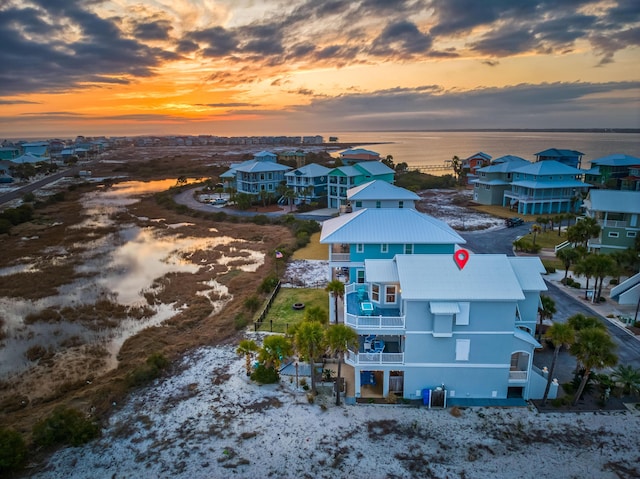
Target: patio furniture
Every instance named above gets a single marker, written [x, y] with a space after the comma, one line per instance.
[362, 293]
[377, 346]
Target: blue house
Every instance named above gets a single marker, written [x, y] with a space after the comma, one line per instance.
[567, 157]
[422, 321]
[309, 183]
[611, 172]
[380, 194]
[493, 180]
[263, 173]
[545, 187]
[343, 178]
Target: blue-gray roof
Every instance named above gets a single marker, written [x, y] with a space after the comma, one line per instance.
[311, 170]
[506, 158]
[374, 167]
[558, 152]
[549, 167]
[359, 151]
[550, 184]
[617, 160]
[380, 190]
[613, 201]
[528, 270]
[261, 167]
[265, 155]
[388, 226]
[505, 166]
[486, 277]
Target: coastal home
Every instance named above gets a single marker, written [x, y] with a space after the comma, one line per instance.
[571, 158]
[617, 213]
[9, 152]
[380, 194]
[309, 183]
[473, 163]
[39, 149]
[263, 173]
[632, 181]
[545, 187]
[493, 180]
[356, 155]
[464, 331]
[343, 178]
[296, 157]
[611, 171]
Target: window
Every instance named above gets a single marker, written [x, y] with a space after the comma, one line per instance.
[358, 204]
[360, 248]
[613, 234]
[262, 176]
[631, 234]
[400, 204]
[375, 293]
[378, 204]
[487, 187]
[270, 186]
[270, 176]
[390, 294]
[462, 349]
[408, 249]
[384, 248]
[360, 276]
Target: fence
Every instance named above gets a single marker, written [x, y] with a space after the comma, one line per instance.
[258, 322]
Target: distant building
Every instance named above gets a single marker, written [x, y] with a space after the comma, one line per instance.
[309, 183]
[495, 179]
[343, 178]
[611, 171]
[357, 155]
[566, 157]
[263, 173]
[617, 213]
[471, 164]
[380, 194]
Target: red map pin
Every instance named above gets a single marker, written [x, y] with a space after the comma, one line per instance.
[461, 257]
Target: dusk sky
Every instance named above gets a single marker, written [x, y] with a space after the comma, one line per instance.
[242, 67]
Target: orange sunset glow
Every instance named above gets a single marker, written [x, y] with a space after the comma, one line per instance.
[123, 67]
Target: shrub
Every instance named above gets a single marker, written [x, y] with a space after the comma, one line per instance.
[268, 284]
[149, 371]
[550, 269]
[264, 375]
[13, 450]
[65, 426]
[240, 321]
[28, 197]
[252, 303]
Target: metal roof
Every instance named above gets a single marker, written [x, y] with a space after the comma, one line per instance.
[311, 170]
[262, 166]
[558, 152]
[505, 166]
[436, 277]
[615, 201]
[388, 226]
[380, 271]
[519, 334]
[550, 184]
[479, 154]
[549, 167]
[380, 190]
[373, 167]
[528, 271]
[359, 151]
[617, 160]
[442, 307]
[507, 158]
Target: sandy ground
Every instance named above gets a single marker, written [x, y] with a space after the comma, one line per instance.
[451, 207]
[209, 421]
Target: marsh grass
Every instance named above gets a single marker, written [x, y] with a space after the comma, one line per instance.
[313, 250]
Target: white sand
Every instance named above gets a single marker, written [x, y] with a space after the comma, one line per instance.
[209, 421]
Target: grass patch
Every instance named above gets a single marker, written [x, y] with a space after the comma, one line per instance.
[550, 239]
[283, 315]
[501, 212]
[313, 250]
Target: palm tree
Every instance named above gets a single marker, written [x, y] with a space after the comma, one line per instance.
[568, 256]
[309, 341]
[559, 334]
[628, 377]
[546, 311]
[586, 268]
[580, 321]
[274, 350]
[535, 229]
[336, 288]
[316, 313]
[603, 265]
[247, 347]
[557, 219]
[593, 349]
[340, 338]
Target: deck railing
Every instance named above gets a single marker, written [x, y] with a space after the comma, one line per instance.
[517, 375]
[355, 359]
[374, 322]
[339, 257]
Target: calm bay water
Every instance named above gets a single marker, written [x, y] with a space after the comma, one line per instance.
[434, 148]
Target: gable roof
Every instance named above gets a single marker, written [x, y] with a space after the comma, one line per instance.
[558, 152]
[27, 158]
[549, 167]
[615, 201]
[480, 154]
[359, 151]
[616, 160]
[506, 158]
[380, 190]
[388, 225]
[485, 277]
[505, 166]
[256, 166]
[265, 155]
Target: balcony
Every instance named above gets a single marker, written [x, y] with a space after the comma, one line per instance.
[357, 359]
[362, 313]
[517, 376]
[374, 322]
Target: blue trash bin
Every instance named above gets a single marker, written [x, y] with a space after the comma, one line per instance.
[425, 396]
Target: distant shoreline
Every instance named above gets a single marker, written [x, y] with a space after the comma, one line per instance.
[510, 130]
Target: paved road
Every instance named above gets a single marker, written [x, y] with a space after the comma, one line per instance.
[500, 241]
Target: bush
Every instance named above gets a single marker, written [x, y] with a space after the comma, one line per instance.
[240, 321]
[13, 450]
[264, 375]
[268, 284]
[149, 371]
[65, 426]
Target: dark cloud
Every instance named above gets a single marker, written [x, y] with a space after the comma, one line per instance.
[18, 102]
[36, 57]
[152, 30]
[403, 38]
[219, 41]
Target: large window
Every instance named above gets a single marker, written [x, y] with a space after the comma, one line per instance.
[462, 349]
[359, 248]
[375, 292]
[360, 276]
[390, 294]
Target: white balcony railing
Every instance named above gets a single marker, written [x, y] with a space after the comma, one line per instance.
[340, 257]
[374, 322]
[614, 223]
[517, 375]
[355, 359]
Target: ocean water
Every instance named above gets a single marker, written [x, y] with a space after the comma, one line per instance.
[434, 148]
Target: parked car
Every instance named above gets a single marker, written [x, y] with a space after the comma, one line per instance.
[511, 222]
[219, 201]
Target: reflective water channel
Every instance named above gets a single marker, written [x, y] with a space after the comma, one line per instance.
[120, 267]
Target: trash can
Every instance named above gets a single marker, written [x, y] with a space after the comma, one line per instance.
[425, 396]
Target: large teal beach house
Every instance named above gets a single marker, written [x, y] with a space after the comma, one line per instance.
[545, 187]
[343, 178]
[423, 322]
[263, 173]
[309, 183]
